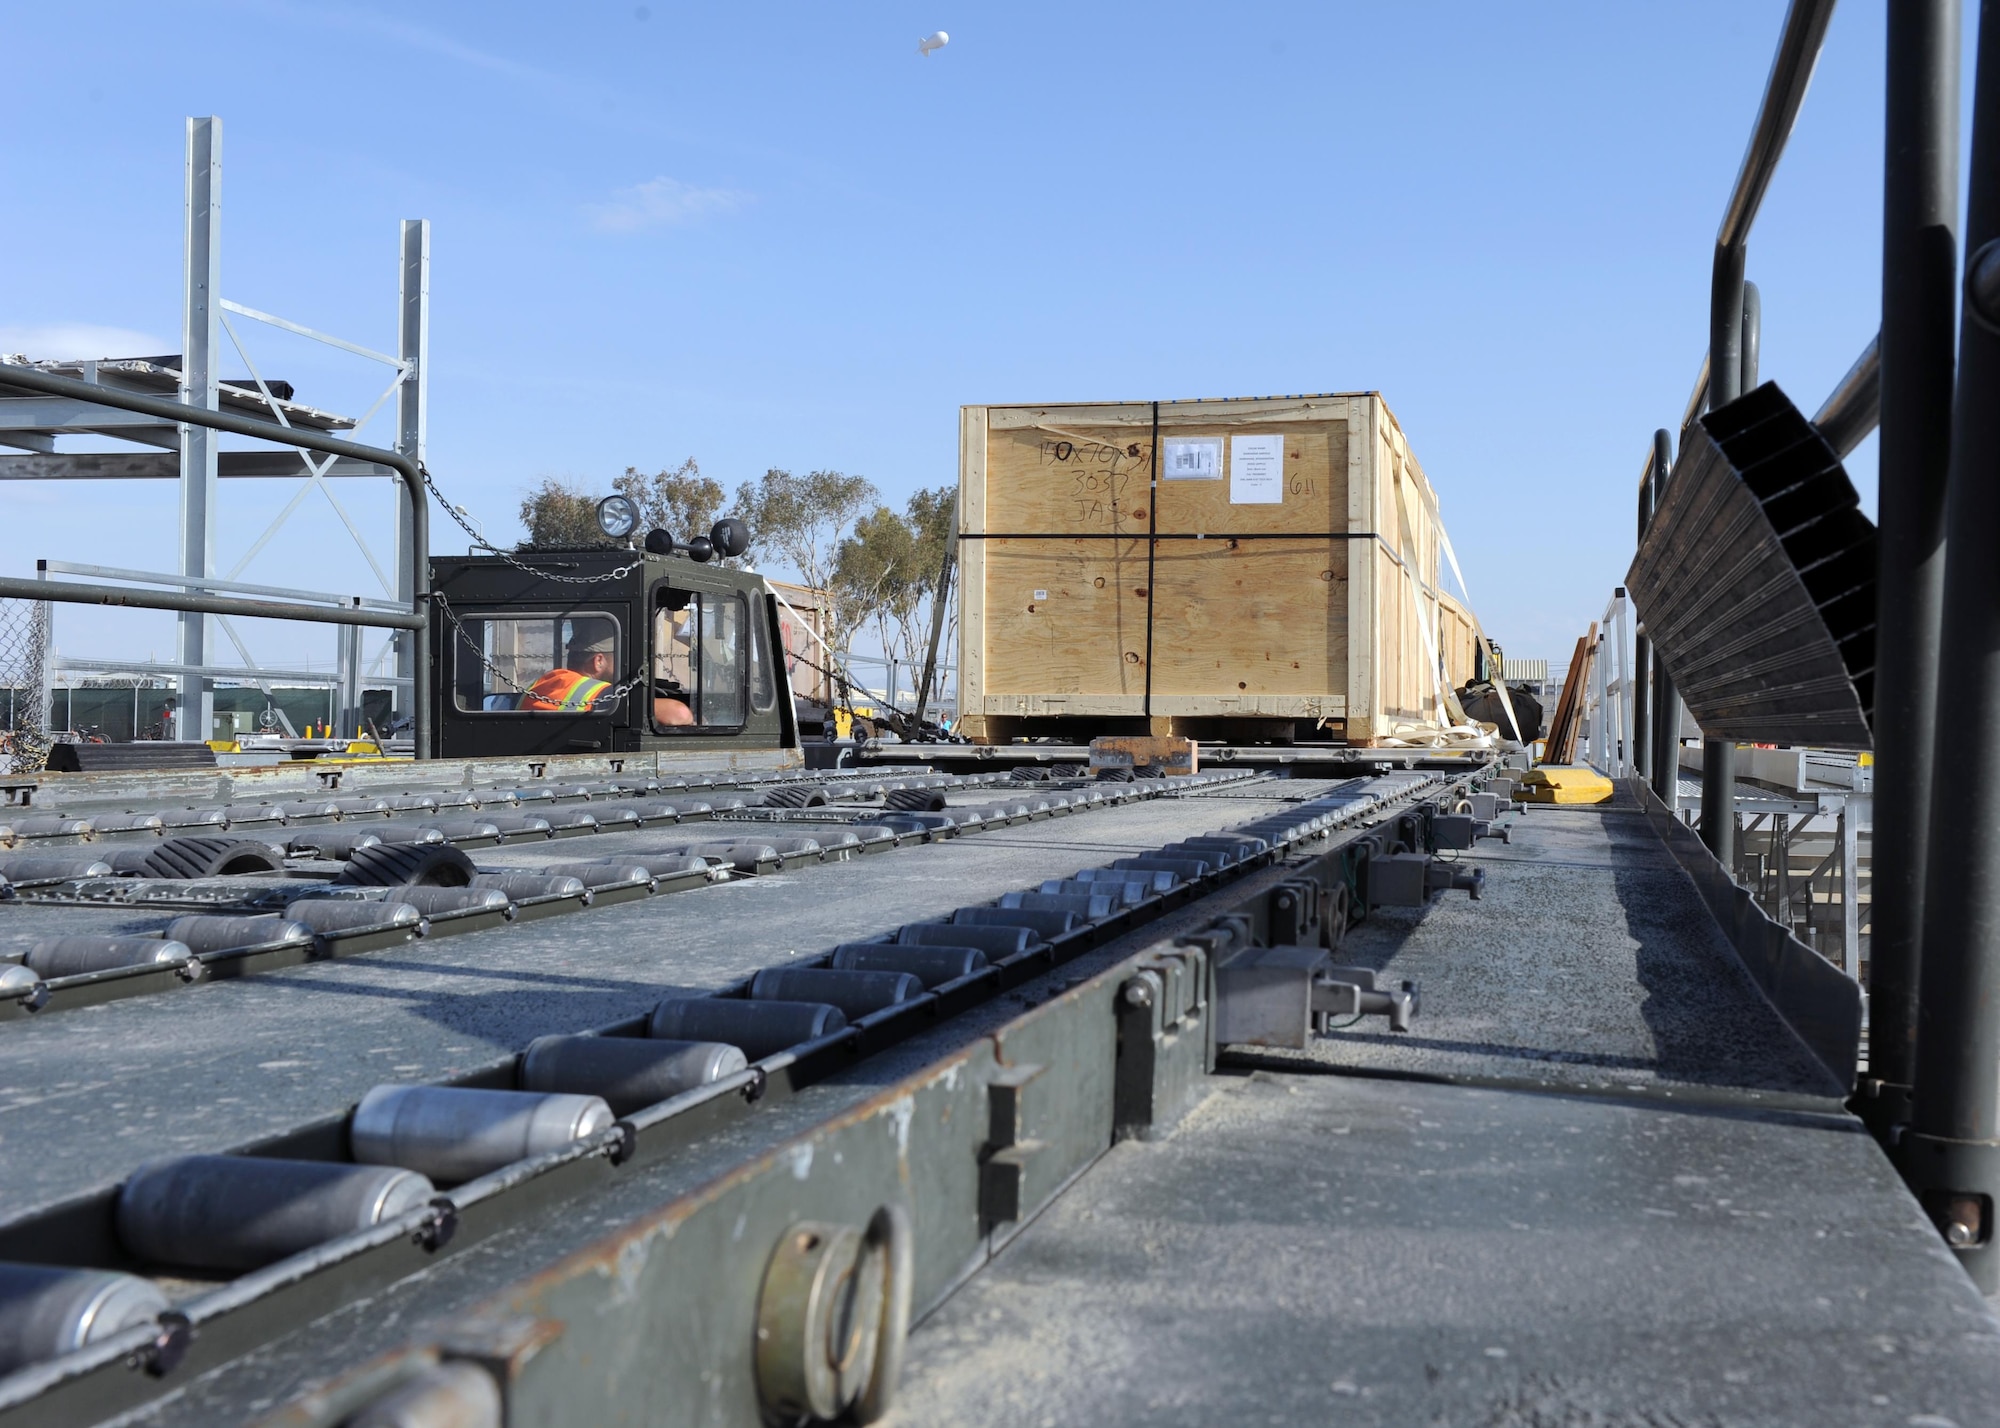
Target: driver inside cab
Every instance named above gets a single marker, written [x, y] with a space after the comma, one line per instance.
[672, 666]
[590, 663]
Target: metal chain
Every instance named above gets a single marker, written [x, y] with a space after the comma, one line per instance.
[484, 544]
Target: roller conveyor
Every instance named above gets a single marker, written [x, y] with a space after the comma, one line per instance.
[231, 1028]
[309, 1040]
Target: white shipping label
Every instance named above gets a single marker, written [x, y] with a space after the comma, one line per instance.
[1256, 470]
[1192, 458]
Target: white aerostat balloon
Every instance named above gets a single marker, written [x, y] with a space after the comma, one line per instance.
[935, 41]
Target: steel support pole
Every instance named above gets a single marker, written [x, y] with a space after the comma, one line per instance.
[1919, 323]
[1951, 1154]
[1730, 321]
[413, 345]
[201, 309]
[1666, 700]
[1642, 657]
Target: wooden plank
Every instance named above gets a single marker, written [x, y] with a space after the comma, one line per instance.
[1226, 411]
[972, 561]
[1364, 708]
[1560, 746]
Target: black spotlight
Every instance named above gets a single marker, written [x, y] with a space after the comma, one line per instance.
[701, 549]
[730, 537]
[660, 542]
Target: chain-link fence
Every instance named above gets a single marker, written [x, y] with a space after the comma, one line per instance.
[24, 662]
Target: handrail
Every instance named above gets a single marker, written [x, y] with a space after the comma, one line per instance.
[416, 620]
[1785, 90]
[1854, 407]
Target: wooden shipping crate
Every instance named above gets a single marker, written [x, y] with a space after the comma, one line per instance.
[1264, 568]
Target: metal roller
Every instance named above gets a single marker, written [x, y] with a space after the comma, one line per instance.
[50, 867]
[933, 966]
[1121, 893]
[521, 886]
[1157, 879]
[398, 830]
[855, 993]
[601, 874]
[454, 1394]
[454, 1134]
[335, 842]
[525, 825]
[626, 1072]
[454, 830]
[1236, 847]
[244, 1211]
[1186, 869]
[47, 1311]
[1088, 907]
[73, 956]
[433, 901]
[341, 914]
[995, 942]
[15, 978]
[757, 1029]
[51, 825]
[744, 857]
[205, 933]
[1043, 924]
[662, 865]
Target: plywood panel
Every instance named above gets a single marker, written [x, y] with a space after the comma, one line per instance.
[1250, 618]
[1065, 617]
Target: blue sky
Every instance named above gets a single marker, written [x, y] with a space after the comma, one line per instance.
[775, 236]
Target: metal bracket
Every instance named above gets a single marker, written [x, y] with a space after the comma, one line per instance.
[1351, 992]
[1283, 996]
[1003, 1163]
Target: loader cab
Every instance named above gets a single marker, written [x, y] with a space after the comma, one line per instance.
[603, 650]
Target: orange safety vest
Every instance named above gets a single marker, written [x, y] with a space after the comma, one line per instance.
[563, 690]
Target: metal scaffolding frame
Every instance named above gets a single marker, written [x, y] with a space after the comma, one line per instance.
[30, 421]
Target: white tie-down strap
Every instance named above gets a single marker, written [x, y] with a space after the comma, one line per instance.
[1499, 671]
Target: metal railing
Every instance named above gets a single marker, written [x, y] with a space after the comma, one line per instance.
[415, 619]
[1932, 1092]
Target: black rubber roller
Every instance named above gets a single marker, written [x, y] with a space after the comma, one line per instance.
[334, 842]
[243, 1211]
[206, 933]
[1043, 924]
[394, 864]
[915, 800]
[47, 1311]
[993, 941]
[855, 993]
[757, 1029]
[797, 796]
[933, 966]
[628, 1073]
[50, 868]
[1088, 907]
[73, 956]
[432, 902]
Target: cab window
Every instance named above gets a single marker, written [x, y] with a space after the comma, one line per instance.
[700, 660]
[546, 662]
[763, 688]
